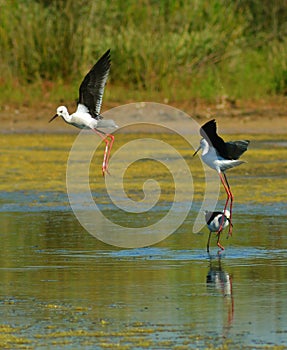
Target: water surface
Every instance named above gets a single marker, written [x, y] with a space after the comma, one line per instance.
[63, 288]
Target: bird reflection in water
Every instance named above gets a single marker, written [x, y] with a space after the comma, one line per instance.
[220, 281]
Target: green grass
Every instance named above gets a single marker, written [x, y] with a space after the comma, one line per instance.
[174, 50]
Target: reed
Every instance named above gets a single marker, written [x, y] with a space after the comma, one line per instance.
[173, 50]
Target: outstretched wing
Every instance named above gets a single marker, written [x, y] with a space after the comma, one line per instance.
[209, 133]
[227, 150]
[236, 148]
[92, 88]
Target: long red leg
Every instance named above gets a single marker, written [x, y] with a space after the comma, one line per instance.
[105, 162]
[231, 204]
[110, 147]
[107, 150]
[229, 197]
[218, 243]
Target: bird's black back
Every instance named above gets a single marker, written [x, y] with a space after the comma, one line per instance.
[92, 87]
[210, 215]
[227, 150]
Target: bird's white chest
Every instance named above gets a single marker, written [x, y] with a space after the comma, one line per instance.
[211, 159]
[83, 121]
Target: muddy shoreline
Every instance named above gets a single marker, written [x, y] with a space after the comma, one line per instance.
[250, 118]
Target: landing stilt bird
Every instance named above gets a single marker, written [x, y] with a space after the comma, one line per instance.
[87, 115]
[221, 156]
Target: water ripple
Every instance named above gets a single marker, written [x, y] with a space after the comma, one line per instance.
[242, 256]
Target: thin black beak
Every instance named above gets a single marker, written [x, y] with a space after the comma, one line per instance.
[55, 116]
[195, 153]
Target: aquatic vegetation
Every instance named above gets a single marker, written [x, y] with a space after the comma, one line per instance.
[11, 338]
[151, 336]
[38, 163]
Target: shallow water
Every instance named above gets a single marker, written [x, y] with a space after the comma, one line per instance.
[63, 288]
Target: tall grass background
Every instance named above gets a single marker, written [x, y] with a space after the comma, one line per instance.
[171, 50]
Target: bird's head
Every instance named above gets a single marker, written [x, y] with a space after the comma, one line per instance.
[61, 112]
[203, 145]
[227, 213]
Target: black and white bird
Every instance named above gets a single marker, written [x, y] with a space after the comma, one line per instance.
[87, 115]
[216, 222]
[221, 156]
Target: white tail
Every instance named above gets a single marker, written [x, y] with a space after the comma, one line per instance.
[109, 123]
[228, 164]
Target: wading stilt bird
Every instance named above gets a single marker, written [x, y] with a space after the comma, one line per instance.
[216, 222]
[221, 156]
[87, 115]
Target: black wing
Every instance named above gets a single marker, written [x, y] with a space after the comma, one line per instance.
[208, 132]
[235, 149]
[210, 215]
[227, 150]
[92, 88]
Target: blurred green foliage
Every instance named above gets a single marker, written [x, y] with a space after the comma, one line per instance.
[175, 49]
